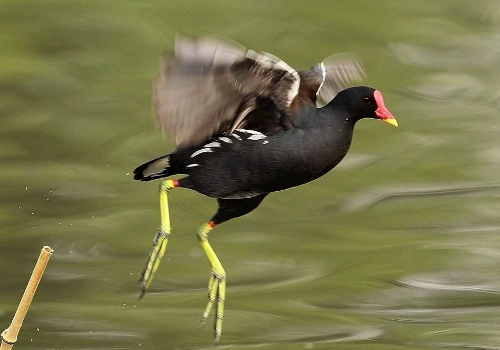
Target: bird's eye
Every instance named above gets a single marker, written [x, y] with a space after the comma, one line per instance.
[366, 99]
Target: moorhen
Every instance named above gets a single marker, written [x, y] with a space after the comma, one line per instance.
[247, 124]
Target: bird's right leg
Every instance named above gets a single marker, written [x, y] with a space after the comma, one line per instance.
[228, 209]
[161, 238]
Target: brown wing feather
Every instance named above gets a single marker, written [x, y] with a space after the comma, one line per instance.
[193, 107]
[210, 86]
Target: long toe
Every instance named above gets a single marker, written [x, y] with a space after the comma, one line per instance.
[157, 252]
[213, 287]
[216, 299]
[219, 313]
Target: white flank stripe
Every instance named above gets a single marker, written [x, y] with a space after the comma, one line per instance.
[203, 150]
[245, 131]
[213, 144]
[257, 137]
[226, 139]
[192, 165]
[236, 136]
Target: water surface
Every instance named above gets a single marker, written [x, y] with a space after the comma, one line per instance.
[397, 248]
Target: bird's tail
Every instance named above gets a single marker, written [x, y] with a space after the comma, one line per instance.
[154, 169]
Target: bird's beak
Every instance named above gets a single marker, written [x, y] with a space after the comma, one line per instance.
[391, 121]
[382, 112]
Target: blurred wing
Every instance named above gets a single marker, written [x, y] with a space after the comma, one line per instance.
[211, 85]
[267, 76]
[193, 98]
[193, 106]
[338, 72]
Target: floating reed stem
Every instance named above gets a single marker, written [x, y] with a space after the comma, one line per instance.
[9, 336]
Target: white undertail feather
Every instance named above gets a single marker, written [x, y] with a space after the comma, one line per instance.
[156, 167]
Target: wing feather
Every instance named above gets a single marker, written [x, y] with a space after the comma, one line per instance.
[210, 84]
[211, 87]
[338, 72]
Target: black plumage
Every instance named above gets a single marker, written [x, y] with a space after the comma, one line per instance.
[247, 163]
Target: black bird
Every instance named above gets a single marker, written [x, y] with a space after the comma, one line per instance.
[247, 124]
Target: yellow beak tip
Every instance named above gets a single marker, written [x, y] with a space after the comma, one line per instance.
[391, 121]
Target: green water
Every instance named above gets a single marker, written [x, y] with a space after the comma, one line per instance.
[397, 248]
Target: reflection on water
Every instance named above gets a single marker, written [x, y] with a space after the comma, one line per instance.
[397, 248]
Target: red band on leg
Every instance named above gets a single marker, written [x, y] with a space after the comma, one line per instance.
[176, 183]
[211, 224]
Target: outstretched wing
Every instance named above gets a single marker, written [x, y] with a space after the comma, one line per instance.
[210, 86]
[339, 72]
[320, 84]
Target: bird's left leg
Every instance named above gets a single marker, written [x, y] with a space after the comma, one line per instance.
[228, 209]
[161, 238]
[216, 282]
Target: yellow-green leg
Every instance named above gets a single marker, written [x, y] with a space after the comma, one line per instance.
[216, 283]
[160, 240]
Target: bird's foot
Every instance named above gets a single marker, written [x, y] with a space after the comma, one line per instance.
[156, 254]
[216, 298]
[161, 238]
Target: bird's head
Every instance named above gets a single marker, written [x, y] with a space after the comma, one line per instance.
[365, 102]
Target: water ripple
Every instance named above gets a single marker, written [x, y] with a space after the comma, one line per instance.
[343, 334]
[452, 282]
[376, 197]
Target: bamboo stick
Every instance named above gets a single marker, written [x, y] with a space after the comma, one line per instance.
[9, 336]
